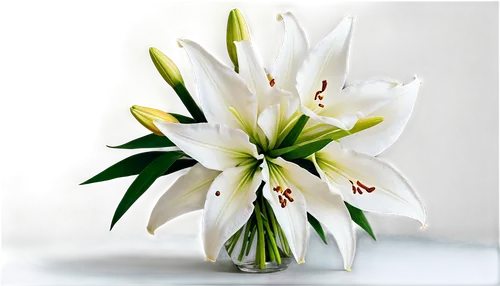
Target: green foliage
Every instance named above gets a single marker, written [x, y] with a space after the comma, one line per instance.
[144, 180]
[317, 227]
[359, 218]
[293, 134]
[149, 141]
[128, 167]
[299, 151]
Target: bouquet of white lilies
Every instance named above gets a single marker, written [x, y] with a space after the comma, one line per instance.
[271, 150]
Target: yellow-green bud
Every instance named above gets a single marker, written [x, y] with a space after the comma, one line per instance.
[237, 30]
[166, 67]
[146, 116]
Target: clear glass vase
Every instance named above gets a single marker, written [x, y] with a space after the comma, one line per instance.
[260, 246]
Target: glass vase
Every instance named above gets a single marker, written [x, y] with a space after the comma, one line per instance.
[260, 246]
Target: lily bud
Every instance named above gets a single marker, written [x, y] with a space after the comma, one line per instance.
[146, 116]
[237, 30]
[166, 67]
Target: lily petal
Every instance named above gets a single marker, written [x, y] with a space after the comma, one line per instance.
[293, 217]
[327, 207]
[228, 206]
[269, 121]
[359, 100]
[396, 114]
[328, 63]
[251, 70]
[187, 194]
[276, 118]
[293, 52]
[215, 146]
[220, 89]
[376, 186]
[342, 121]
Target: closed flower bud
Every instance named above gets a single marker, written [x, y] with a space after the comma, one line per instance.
[237, 30]
[166, 67]
[146, 116]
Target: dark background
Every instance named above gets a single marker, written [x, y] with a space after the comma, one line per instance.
[449, 150]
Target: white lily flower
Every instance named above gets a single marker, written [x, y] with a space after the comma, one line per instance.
[367, 182]
[318, 77]
[229, 169]
[292, 192]
[364, 181]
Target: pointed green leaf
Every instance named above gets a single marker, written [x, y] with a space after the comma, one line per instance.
[125, 168]
[300, 150]
[293, 134]
[179, 165]
[145, 179]
[306, 164]
[317, 227]
[183, 119]
[148, 141]
[359, 218]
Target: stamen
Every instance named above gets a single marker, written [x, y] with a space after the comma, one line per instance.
[316, 95]
[320, 97]
[277, 189]
[321, 105]
[283, 204]
[368, 189]
[353, 187]
[272, 82]
[217, 193]
[359, 191]
[323, 88]
[288, 195]
[280, 198]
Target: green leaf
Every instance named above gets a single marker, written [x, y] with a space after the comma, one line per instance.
[306, 164]
[145, 179]
[189, 103]
[293, 134]
[149, 141]
[125, 168]
[317, 226]
[179, 165]
[359, 218]
[183, 119]
[300, 150]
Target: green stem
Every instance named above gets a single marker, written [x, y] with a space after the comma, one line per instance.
[270, 234]
[284, 242]
[273, 219]
[261, 244]
[252, 235]
[234, 241]
[280, 236]
[264, 209]
[270, 250]
[189, 103]
[245, 239]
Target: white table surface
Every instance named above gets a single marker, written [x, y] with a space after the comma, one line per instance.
[179, 260]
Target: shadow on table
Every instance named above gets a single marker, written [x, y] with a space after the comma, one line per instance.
[137, 262]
